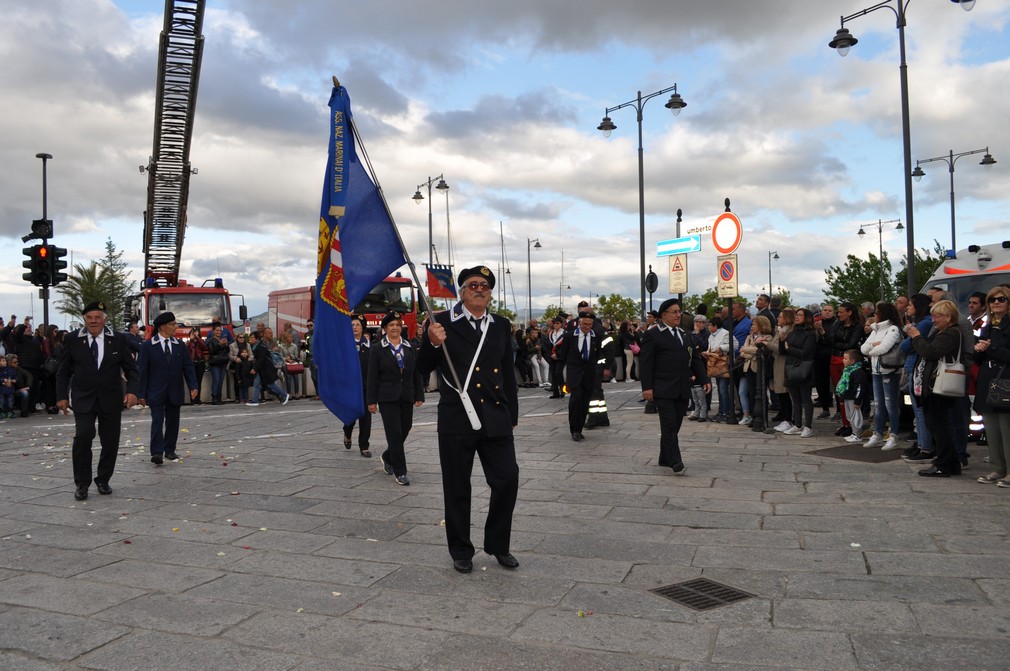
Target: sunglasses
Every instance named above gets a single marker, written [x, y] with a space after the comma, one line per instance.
[997, 299]
[478, 286]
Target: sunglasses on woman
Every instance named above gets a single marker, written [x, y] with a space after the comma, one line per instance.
[997, 299]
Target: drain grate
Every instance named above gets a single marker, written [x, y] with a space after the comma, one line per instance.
[702, 594]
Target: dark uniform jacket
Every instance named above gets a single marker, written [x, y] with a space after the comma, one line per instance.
[161, 376]
[387, 383]
[79, 380]
[576, 368]
[492, 387]
[668, 363]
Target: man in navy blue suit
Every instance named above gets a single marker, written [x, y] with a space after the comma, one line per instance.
[164, 364]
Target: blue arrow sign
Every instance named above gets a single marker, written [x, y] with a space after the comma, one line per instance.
[690, 243]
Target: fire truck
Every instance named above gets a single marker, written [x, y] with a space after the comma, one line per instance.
[168, 170]
[297, 306]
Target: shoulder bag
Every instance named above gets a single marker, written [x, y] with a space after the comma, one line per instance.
[951, 377]
[717, 364]
[801, 372]
[998, 396]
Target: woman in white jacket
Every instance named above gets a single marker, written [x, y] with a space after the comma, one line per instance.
[718, 345]
[881, 347]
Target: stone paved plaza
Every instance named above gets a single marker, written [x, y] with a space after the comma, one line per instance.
[270, 547]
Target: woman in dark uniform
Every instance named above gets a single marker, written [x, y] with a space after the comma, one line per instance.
[394, 389]
[361, 342]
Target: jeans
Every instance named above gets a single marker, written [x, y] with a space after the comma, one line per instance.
[886, 393]
[216, 380]
[725, 401]
[922, 434]
[273, 388]
[744, 389]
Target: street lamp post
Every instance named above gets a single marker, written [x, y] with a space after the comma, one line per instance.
[771, 255]
[561, 285]
[950, 159]
[880, 244]
[417, 198]
[535, 242]
[843, 41]
[674, 104]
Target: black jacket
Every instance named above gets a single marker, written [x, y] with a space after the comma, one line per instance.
[668, 364]
[991, 362]
[387, 382]
[86, 386]
[492, 387]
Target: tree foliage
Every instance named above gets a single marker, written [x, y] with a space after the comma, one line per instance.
[859, 280]
[494, 307]
[710, 298]
[925, 265]
[616, 307]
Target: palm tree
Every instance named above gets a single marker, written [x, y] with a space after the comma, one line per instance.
[93, 282]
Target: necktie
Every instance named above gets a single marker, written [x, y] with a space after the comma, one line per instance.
[94, 350]
[585, 347]
[476, 323]
[168, 348]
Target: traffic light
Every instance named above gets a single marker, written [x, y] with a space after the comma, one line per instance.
[29, 263]
[41, 271]
[56, 256]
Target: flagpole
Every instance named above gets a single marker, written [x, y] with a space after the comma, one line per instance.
[410, 264]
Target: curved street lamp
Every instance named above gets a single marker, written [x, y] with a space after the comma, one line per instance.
[950, 159]
[607, 126]
[842, 42]
[775, 256]
[530, 244]
[880, 243]
[417, 198]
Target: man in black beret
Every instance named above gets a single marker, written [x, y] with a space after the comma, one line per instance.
[670, 364]
[581, 354]
[478, 407]
[91, 373]
[164, 365]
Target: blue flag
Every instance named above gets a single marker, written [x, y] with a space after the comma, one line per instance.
[358, 248]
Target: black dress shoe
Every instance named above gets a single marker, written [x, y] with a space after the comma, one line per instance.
[81, 493]
[157, 460]
[103, 488]
[679, 468]
[759, 428]
[578, 437]
[554, 396]
[507, 560]
[462, 565]
[172, 456]
[937, 472]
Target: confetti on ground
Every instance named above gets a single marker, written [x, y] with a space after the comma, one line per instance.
[300, 610]
[234, 524]
[187, 430]
[175, 528]
[220, 554]
[263, 528]
[855, 545]
[233, 493]
[584, 613]
[127, 542]
[335, 593]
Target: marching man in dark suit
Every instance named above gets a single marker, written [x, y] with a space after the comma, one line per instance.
[581, 354]
[164, 364]
[91, 372]
[670, 364]
[477, 409]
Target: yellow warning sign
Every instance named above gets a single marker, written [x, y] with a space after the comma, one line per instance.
[678, 273]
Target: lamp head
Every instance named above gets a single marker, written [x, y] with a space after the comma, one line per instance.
[918, 174]
[987, 160]
[966, 5]
[442, 186]
[675, 104]
[843, 41]
[417, 197]
[606, 126]
[861, 231]
[899, 227]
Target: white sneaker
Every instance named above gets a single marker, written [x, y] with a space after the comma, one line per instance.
[747, 419]
[876, 440]
[793, 431]
[286, 399]
[783, 426]
[806, 432]
[252, 404]
[853, 439]
[891, 444]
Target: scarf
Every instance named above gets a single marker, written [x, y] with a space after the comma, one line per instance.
[843, 382]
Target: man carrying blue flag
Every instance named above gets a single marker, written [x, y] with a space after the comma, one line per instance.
[476, 415]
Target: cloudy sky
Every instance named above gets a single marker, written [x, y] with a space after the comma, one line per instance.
[504, 100]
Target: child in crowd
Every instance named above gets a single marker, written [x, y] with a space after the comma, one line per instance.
[243, 371]
[8, 384]
[851, 388]
[700, 412]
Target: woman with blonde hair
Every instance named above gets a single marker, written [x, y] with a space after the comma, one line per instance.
[943, 344]
[752, 351]
[777, 379]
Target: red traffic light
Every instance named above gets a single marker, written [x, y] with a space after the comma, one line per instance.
[43, 251]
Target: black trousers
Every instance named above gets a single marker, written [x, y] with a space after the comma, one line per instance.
[397, 418]
[501, 472]
[364, 433]
[578, 403]
[671, 416]
[938, 421]
[557, 377]
[164, 428]
[84, 433]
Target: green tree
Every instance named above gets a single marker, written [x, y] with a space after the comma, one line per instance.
[616, 308]
[925, 265]
[550, 312]
[494, 307]
[84, 284]
[859, 280]
[710, 298]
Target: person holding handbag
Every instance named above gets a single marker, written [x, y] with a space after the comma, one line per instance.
[882, 347]
[943, 343]
[777, 379]
[717, 366]
[992, 353]
[800, 349]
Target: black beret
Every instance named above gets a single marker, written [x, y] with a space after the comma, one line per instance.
[92, 307]
[481, 271]
[583, 304]
[656, 314]
[163, 318]
[586, 314]
[667, 304]
[391, 317]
